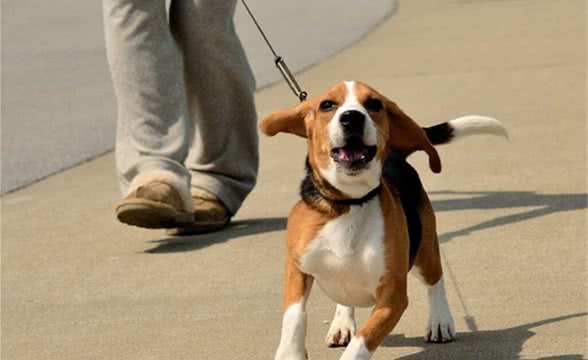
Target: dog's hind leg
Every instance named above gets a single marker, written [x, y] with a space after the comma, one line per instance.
[427, 268]
[440, 325]
[343, 327]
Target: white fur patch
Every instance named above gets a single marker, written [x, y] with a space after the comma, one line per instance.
[357, 185]
[347, 256]
[166, 177]
[356, 350]
[293, 334]
[343, 326]
[476, 124]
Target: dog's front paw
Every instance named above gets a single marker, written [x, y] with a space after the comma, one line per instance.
[440, 327]
[341, 331]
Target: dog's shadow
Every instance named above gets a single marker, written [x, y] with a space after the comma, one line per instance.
[505, 344]
[235, 230]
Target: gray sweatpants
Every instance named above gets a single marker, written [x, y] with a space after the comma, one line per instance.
[184, 91]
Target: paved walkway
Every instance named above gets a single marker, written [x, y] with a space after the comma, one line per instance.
[511, 216]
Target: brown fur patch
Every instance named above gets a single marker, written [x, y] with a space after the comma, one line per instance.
[428, 259]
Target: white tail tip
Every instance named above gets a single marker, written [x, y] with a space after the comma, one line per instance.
[477, 124]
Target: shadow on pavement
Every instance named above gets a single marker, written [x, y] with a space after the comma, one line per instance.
[235, 230]
[489, 344]
[541, 204]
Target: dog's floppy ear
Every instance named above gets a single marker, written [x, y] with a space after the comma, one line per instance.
[289, 121]
[406, 135]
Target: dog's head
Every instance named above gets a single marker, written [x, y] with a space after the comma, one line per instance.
[349, 130]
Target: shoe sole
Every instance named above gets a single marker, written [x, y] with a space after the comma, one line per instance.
[151, 214]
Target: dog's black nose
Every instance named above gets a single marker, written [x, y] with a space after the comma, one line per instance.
[352, 121]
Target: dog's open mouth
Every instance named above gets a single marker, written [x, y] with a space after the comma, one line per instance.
[354, 155]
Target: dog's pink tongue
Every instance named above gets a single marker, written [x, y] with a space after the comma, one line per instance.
[345, 155]
[350, 155]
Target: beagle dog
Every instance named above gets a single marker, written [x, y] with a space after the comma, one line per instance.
[364, 220]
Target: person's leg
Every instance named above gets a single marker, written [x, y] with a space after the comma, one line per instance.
[147, 74]
[223, 158]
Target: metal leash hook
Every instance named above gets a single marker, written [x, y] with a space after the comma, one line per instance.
[283, 68]
[279, 61]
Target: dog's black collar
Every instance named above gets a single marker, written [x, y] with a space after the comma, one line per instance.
[357, 201]
[311, 194]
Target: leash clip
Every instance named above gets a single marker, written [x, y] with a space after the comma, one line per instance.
[292, 83]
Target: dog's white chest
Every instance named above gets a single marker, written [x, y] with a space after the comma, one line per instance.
[347, 256]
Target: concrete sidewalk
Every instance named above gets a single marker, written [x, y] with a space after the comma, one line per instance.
[511, 216]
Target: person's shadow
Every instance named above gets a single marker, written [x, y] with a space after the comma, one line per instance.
[235, 230]
[505, 344]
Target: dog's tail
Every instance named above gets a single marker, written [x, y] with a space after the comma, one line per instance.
[464, 126]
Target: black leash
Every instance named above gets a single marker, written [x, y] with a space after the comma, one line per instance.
[279, 61]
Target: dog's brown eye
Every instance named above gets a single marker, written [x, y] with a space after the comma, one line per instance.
[327, 105]
[373, 105]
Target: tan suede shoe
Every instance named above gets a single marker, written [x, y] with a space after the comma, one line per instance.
[209, 215]
[155, 205]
